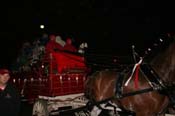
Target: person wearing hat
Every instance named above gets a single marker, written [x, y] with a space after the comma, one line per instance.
[9, 96]
[52, 45]
[69, 46]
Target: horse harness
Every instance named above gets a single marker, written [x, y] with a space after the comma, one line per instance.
[153, 79]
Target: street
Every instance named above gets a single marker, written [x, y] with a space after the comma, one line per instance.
[26, 109]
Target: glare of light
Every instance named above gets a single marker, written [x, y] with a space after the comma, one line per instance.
[42, 26]
[115, 60]
[133, 46]
[42, 66]
[149, 49]
[161, 40]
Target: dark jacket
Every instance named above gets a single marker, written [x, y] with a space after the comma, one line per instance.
[9, 101]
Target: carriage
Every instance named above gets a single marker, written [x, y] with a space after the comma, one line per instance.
[55, 83]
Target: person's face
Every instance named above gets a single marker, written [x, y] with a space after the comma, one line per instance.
[69, 41]
[52, 38]
[4, 78]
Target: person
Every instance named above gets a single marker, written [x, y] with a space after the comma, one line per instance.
[69, 46]
[52, 45]
[9, 96]
[82, 48]
[60, 41]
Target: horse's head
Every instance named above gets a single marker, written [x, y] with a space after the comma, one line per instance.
[164, 62]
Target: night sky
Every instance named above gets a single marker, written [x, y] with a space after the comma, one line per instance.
[109, 26]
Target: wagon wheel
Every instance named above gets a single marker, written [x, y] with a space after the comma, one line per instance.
[40, 108]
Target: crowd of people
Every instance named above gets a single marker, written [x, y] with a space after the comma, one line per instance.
[29, 54]
[32, 52]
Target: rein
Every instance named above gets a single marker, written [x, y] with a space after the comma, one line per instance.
[136, 92]
[152, 77]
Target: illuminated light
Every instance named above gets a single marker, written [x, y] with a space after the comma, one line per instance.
[115, 60]
[84, 78]
[25, 80]
[161, 40]
[61, 81]
[149, 49]
[76, 78]
[133, 46]
[14, 80]
[41, 26]
[61, 77]
[85, 45]
[19, 80]
[42, 66]
[31, 79]
[69, 79]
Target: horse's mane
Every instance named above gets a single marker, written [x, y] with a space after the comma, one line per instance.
[164, 60]
[158, 47]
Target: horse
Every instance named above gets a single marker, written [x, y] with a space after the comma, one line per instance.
[141, 94]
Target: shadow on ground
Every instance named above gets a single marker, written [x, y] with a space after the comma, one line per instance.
[26, 109]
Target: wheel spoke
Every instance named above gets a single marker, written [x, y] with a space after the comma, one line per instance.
[40, 108]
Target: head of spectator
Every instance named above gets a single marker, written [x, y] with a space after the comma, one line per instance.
[59, 40]
[4, 77]
[69, 41]
[52, 37]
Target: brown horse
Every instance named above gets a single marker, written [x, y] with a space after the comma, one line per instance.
[101, 85]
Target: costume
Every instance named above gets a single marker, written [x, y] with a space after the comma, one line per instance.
[9, 101]
[82, 48]
[68, 46]
[52, 45]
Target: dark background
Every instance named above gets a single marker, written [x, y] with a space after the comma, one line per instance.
[109, 26]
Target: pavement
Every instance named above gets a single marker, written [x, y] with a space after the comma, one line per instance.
[26, 109]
